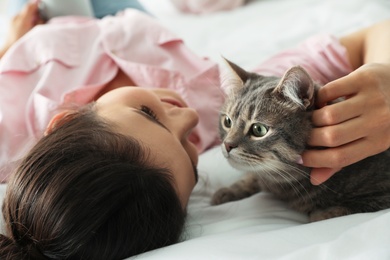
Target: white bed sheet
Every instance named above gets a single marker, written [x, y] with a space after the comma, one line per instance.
[261, 227]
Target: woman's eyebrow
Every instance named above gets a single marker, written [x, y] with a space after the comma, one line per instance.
[152, 119]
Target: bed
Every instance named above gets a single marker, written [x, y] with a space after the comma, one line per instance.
[261, 227]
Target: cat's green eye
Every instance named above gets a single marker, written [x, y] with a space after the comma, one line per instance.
[259, 130]
[227, 122]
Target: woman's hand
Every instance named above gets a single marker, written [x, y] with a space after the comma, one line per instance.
[353, 129]
[21, 24]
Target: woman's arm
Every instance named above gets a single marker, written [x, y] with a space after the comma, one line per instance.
[21, 24]
[369, 45]
[358, 127]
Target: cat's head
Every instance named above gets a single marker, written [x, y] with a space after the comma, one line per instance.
[265, 121]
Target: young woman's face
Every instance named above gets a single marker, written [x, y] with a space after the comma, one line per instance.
[161, 120]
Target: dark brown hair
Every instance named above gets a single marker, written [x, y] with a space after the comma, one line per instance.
[86, 192]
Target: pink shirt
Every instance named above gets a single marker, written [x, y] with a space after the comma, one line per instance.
[69, 61]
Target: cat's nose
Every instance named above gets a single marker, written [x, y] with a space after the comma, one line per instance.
[229, 146]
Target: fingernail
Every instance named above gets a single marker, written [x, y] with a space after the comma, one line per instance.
[299, 160]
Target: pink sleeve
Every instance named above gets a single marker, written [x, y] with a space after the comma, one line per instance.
[206, 6]
[323, 56]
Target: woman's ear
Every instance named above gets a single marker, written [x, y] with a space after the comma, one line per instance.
[57, 120]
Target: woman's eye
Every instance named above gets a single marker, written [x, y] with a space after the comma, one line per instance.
[227, 122]
[259, 130]
[149, 112]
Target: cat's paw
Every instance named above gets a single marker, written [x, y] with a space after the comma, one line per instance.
[328, 213]
[223, 195]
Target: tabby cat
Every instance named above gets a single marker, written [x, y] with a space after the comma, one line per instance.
[264, 127]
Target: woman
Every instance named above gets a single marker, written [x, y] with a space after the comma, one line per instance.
[112, 179]
[127, 160]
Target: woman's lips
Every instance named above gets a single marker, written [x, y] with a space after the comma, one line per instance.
[174, 102]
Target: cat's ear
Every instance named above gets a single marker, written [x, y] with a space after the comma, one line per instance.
[297, 86]
[232, 76]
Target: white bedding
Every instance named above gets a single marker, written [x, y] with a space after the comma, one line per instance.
[261, 227]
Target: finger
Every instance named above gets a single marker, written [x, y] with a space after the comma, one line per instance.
[32, 6]
[337, 157]
[320, 175]
[338, 112]
[336, 89]
[29, 11]
[340, 134]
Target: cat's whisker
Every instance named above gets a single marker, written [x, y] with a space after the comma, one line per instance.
[297, 182]
[266, 183]
[287, 176]
[269, 174]
[307, 176]
[301, 172]
[275, 168]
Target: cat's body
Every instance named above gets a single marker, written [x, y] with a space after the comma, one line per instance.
[265, 124]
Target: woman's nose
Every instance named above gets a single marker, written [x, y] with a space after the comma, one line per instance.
[183, 121]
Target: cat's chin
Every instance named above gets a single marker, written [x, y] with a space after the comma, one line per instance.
[239, 164]
[271, 170]
[244, 167]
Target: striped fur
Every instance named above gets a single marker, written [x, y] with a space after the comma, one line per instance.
[284, 106]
